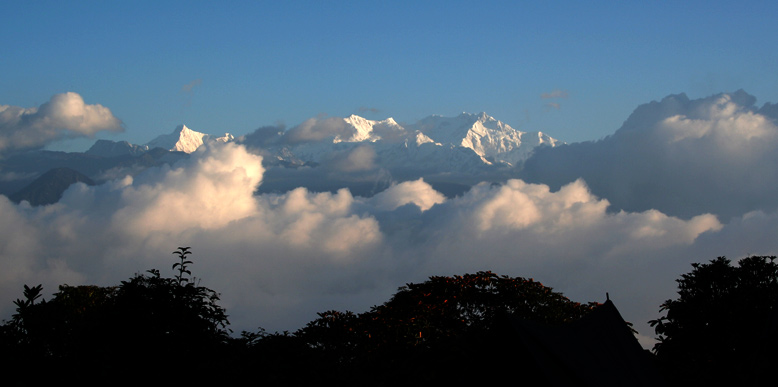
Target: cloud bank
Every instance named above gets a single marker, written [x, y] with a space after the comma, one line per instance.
[63, 116]
[680, 156]
[280, 258]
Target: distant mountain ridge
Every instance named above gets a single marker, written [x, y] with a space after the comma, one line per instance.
[490, 139]
[367, 156]
[49, 187]
[182, 139]
[108, 148]
[467, 148]
[363, 155]
[20, 173]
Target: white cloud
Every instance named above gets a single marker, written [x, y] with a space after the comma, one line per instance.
[415, 192]
[63, 116]
[726, 123]
[189, 87]
[680, 156]
[518, 213]
[556, 93]
[357, 159]
[207, 191]
[318, 129]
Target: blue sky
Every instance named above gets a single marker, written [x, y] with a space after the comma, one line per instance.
[236, 66]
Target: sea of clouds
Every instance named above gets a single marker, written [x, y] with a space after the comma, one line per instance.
[682, 181]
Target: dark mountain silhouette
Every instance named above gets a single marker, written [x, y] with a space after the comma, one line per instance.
[18, 171]
[49, 187]
[108, 148]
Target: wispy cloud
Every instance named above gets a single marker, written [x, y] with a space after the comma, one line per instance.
[189, 87]
[554, 94]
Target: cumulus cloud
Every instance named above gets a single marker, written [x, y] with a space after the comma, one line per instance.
[518, 211]
[24, 255]
[207, 191]
[63, 116]
[318, 129]
[206, 201]
[415, 192]
[679, 156]
[262, 137]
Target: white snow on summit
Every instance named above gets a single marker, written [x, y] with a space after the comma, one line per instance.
[490, 140]
[486, 136]
[185, 140]
[368, 130]
[465, 142]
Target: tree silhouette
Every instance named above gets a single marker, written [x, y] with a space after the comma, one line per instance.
[446, 329]
[426, 329]
[148, 323]
[721, 329]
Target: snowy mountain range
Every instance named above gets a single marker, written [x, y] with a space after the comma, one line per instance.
[354, 152]
[182, 139]
[489, 141]
[486, 136]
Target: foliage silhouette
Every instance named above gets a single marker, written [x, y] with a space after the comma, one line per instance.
[22, 306]
[147, 323]
[446, 329]
[426, 328]
[722, 327]
[182, 252]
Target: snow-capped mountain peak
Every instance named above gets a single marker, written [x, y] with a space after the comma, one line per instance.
[185, 140]
[467, 138]
[363, 127]
[226, 138]
[544, 139]
[369, 130]
[485, 135]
